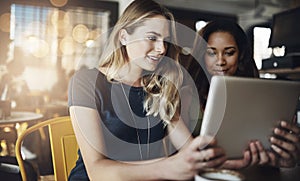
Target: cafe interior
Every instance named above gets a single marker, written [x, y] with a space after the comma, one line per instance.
[44, 42]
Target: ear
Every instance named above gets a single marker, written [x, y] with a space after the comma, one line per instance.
[123, 37]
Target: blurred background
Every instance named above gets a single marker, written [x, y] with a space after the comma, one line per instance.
[43, 42]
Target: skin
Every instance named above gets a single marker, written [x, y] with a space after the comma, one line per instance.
[150, 45]
[221, 58]
[144, 53]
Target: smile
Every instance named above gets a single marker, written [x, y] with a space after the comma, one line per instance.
[221, 72]
[153, 59]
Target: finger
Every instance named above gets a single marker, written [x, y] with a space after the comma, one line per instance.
[280, 152]
[210, 154]
[283, 144]
[288, 135]
[238, 164]
[273, 159]
[254, 154]
[292, 127]
[263, 156]
[216, 162]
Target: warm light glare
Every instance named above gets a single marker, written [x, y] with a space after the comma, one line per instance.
[59, 15]
[61, 21]
[7, 129]
[47, 37]
[80, 33]
[3, 144]
[13, 104]
[89, 43]
[38, 48]
[59, 3]
[31, 43]
[93, 35]
[30, 28]
[66, 46]
[5, 22]
[39, 79]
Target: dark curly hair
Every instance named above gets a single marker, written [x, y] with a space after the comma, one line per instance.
[246, 63]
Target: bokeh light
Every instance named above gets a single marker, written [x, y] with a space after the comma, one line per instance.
[58, 3]
[61, 21]
[5, 22]
[37, 47]
[80, 33]
[66, 46]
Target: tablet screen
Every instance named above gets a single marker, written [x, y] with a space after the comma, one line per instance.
[239, 110]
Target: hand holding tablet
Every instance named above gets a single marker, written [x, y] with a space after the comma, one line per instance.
[240, 110]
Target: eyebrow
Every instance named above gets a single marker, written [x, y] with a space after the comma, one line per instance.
[226, 48]
[157, 34]
[153, 32]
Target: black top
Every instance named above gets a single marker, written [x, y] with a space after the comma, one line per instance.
[125, 133]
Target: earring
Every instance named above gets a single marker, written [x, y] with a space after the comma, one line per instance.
[123, 42]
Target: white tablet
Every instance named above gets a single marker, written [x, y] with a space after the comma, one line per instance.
[239, 110]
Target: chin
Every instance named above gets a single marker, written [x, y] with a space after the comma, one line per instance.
[150, 69]
[220, 73]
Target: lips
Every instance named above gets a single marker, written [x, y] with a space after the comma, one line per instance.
[221, 72]
[154, 59]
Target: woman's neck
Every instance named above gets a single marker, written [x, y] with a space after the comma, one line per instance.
[129, 75]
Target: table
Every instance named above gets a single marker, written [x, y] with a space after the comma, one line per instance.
[266, 173]
[9, 127]
[21, 116]
[269, 173]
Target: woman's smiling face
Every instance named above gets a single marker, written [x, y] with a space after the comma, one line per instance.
[147, 44]
[222, 53]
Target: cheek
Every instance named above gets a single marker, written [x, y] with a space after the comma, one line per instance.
[209, 68]
[232, 70]
[209, 62]
[233, 66]
[136, 50]
[233, 61]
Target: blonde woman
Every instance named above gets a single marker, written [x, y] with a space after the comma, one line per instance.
[123, 111]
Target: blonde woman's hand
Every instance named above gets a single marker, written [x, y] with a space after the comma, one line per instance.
[201, 153]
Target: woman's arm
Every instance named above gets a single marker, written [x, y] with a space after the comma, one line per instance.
[201, 152]
[181, 166]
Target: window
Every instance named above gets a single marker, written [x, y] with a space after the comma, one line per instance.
[44, 38]
[261, 37]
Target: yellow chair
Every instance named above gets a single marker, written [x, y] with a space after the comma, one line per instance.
[63, 146]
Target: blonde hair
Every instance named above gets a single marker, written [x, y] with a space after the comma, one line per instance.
[161, 85]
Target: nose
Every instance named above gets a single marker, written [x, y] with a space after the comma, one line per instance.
[221, 61]
[160, 46]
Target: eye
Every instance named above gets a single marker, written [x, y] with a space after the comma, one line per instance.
[229, 53]
[152, 38]
[210, 53]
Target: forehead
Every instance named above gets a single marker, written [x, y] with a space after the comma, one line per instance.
[221, 39]
[158, 24]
